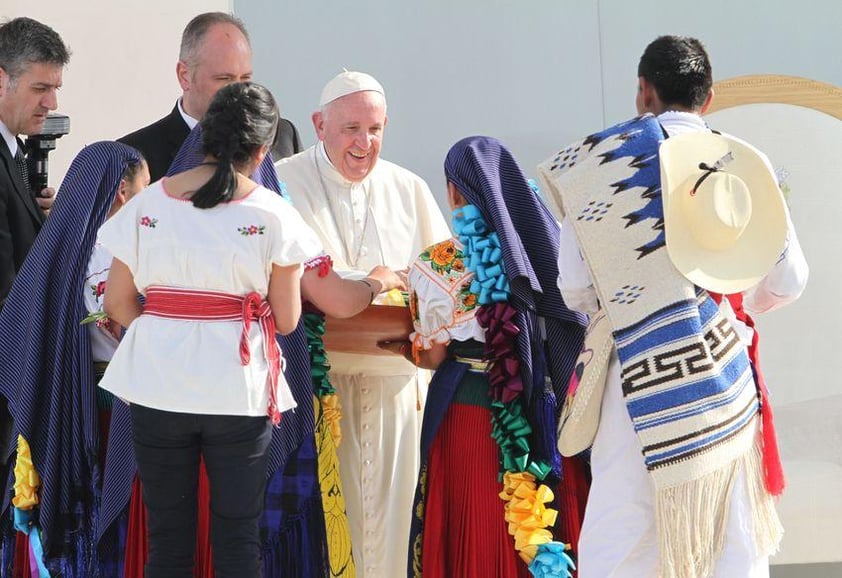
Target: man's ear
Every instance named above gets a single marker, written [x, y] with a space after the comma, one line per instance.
[5, 79]
[319, 124]
[648, 95]
[182, 72]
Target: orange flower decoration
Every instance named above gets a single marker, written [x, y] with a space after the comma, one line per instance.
[459, 265]
[443, 253]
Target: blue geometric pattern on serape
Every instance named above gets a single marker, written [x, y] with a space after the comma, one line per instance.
[636, 143]
[669, 376]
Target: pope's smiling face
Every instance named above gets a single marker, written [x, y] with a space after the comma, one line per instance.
[351, 128]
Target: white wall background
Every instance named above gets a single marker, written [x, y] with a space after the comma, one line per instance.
[537, 74]
[799, 345]
[121, 74]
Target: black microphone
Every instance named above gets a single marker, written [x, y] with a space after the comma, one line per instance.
[38, 147]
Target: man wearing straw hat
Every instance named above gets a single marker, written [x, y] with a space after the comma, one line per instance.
[656, 230]
[367, 212]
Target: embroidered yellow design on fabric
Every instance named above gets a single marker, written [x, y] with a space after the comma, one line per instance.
[332, 415]
[333, 503]
[417, 546]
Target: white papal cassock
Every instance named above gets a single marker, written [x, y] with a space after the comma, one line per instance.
[387, 219]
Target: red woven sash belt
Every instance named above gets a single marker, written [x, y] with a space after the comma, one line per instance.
[772, 467]
[196, 305]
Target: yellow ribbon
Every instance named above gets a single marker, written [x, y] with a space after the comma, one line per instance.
[27, 479]
[526, 513]
[332, 413]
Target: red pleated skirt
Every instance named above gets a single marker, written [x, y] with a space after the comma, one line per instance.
[137, 546]
[465, 533]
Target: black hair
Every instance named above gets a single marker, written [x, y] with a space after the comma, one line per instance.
[132, 168]
[241, 118]
[679, 69]
[24, 41]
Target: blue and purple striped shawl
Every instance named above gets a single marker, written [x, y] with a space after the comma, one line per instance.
[46, 371]
[488, 176]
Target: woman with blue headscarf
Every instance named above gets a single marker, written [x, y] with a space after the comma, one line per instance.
[489, 318]
[47, 366]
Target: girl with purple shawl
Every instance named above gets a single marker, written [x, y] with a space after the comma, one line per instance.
[47, 368]
[489, 318]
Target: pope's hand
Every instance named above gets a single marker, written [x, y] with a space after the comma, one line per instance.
[387, 278]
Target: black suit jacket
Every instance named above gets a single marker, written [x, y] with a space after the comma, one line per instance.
[160, 141]
[20, 220]
[288, 142]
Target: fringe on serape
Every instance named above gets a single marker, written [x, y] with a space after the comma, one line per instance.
[692, 518]
[698, 426]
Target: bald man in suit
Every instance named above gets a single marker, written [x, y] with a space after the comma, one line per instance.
[215, 51]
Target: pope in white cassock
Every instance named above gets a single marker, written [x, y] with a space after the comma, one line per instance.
[368, 211]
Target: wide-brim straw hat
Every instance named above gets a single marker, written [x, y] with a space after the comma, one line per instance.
[724, 213]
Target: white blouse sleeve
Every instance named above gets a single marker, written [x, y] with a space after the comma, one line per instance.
[442, 307]
[785, 282]
[119, 234]
[574, 279]
[293, 241]
[99, 265]
[433, 310]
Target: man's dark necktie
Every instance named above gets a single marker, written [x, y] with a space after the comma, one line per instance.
[24, 170]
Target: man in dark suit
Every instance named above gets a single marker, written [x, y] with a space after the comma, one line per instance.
[32, 58]
[215, 51]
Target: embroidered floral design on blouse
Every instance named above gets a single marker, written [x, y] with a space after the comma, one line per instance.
[147, 221]
[467, 300]
[98, 290]
[413, 306]
[251, 230]
[445, 259]
[442, 257]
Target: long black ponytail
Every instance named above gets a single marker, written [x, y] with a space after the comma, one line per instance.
[241, 118]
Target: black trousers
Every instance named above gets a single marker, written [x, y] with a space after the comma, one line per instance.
[168, 447]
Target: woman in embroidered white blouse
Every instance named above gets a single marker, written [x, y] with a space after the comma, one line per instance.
[212, 252]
